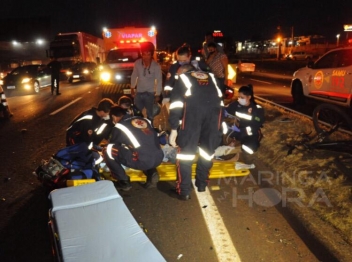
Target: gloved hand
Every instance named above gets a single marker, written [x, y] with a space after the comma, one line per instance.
[234, 128]
[172, 138]
[165, 100]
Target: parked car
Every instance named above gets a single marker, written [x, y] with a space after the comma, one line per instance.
[28, 78]
[83, 71]
[329, 79]
[299, 56]
[245, 66]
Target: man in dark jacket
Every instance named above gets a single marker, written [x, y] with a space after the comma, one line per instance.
[55, 67]
[133, 143]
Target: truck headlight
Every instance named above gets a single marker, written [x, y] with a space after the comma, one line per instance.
[118, 77]
[105, 76]
[86, 71]
[68, 72]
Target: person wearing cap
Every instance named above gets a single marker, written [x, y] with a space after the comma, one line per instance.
[127, 103]
[133, 143]
[146, 78]
[196, 100]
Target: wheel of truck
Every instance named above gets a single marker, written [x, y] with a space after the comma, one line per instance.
[328, 117]
[297, 93]
[36, 87]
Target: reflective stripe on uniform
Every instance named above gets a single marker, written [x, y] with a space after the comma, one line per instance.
[99, 160]
[109, 150]
[247, 149]
[168, 88]
[205, 155]
[129, 134]
[187, 83]
[176, 104]
[90, 117]
[249, 130]
[101, 129]
[185, 157]
[244, 116]
[216, 85]
[224, 128]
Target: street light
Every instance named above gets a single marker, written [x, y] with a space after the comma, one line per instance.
[279, 48]
[337, 39]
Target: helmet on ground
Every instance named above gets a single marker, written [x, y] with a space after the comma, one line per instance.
[156, 109]
[147, 47]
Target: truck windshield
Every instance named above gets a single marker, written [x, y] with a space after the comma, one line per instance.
[123, 56]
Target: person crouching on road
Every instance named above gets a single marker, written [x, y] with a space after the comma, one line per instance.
[133, 143]
[249, 118]
[197, 100]
[91, 126]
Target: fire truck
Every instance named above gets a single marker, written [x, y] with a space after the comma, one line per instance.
[70, 48]
[123, 49]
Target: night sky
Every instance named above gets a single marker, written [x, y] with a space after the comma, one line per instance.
[187, 21]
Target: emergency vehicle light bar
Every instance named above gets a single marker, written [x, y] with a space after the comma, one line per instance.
[131, 41]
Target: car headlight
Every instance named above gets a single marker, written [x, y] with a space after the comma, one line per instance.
[26, 80]
[105, 76]
[86, 71]
[118, 77]
[68, 72]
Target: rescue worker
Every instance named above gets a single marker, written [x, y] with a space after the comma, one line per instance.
[55, 67]
[183, 56]
[146, 78]
[248, 119]
[127, 103]
[90, 126]
[197, 100]
[133, 143]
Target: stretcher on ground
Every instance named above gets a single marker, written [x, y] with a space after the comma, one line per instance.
[167, 171]
[91, 223]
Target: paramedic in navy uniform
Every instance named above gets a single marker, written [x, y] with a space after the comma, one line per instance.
[197, 101]
[133, 143]
[91, 125]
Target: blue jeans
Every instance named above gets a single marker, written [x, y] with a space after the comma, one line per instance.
[145, 100]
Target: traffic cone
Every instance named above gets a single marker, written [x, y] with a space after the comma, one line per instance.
[5, 111]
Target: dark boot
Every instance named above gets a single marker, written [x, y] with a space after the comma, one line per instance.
[152, 180]
[123, 185]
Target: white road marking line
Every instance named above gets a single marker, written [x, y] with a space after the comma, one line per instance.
[62, 108]
[224, 248]
[260, 81]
